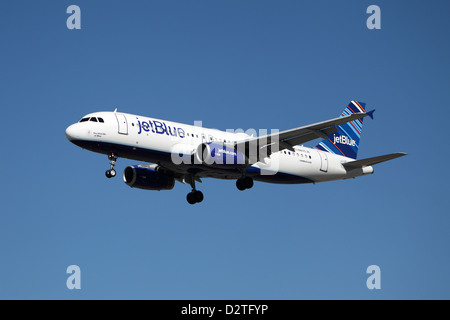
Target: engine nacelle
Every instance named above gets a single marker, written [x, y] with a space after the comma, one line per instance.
[219, 155]
[147, 178]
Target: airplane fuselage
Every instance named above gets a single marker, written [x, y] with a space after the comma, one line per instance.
[171, 145]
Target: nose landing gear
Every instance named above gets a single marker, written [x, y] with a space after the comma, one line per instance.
[112, 161]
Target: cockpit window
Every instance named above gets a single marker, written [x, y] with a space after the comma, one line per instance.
[93, 119]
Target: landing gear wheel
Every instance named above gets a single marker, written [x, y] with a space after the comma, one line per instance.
[240, 184]
[198, 196]
[194, 197]
[111, 173]
[190, 198]
[244, 183]
[248, 182]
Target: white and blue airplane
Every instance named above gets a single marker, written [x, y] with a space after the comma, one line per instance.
[189, 153]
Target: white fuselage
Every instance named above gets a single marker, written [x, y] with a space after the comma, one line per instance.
[169, 143]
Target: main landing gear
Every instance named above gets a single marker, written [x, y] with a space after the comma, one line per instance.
[244, 183]
[195, 196]
[112, 161]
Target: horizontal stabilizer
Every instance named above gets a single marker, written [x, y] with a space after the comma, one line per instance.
[372, 161]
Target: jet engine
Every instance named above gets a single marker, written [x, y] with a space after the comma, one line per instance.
[147, 178]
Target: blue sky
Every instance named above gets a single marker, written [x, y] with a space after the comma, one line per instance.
[231, 64]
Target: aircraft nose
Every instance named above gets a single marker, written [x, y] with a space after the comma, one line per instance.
[72, 132]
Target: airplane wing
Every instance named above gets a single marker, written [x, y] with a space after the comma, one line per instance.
[263, 146]
[371, 161]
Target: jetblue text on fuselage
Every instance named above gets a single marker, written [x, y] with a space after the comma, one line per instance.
[344, 140]
[160, 127]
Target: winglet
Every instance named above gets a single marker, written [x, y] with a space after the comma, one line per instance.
[370, 113]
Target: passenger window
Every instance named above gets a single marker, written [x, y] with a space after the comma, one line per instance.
[93, 119]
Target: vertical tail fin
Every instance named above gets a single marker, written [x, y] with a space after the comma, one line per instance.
[345, 142]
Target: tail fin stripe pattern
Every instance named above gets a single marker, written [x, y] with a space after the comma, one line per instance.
[350, 109]
[357, 122]
[360, 106]
[359, 125]
[348, 136]
[337, 148]
[324, 147]
[354, 126]
[346, 140]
